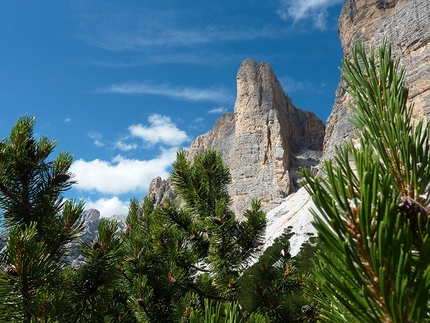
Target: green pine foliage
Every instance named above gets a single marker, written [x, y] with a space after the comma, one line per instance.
[177, 262]
[179, 255]
[159, 262]
[373, 203]
[216, 312]
[97, 290]
[39, 224]
[273, 286]
[31, 187]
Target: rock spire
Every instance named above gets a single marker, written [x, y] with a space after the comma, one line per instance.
[263, 141]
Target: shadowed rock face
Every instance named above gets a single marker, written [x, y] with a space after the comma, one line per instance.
[262, 141]
[406, 25]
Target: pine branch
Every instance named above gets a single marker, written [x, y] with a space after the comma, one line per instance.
[373, 203]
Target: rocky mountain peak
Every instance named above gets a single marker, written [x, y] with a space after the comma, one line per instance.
[91, 215]
[263, 142]
[260, 93]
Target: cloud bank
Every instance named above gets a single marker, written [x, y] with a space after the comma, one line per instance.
[121, 175]
[126, 176]
[161, 130]
[108, 206]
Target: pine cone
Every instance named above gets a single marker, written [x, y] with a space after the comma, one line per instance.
[171, 278]
[217, 221]
[231, 284]
[96, 245]
[307, 310]
[11, 270]
[195, 236]
[89, 286]
[259, 290]
[411, 209]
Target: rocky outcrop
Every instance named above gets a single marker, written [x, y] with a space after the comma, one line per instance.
[91, 219]
[262, 141]
[160, 189]
[267, 138]
[406, 25]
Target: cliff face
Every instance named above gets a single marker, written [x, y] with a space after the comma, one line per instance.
[406, 25]
[263, 140]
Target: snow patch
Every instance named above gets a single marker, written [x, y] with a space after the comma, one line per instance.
[293, 212]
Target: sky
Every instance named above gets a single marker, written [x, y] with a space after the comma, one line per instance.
[123, 84]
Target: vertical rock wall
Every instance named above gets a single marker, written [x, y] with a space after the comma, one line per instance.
[260, 141]
[406, 25]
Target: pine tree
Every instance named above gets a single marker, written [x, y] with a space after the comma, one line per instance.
[373, 202]
[179, 255]
[98, 290]
[273, 285]
[39, 223]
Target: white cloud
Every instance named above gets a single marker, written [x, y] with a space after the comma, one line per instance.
[123, 146]
[307, 9]
[98, 143]
[67, 120]
[97, 138]
[121, 175]
[176, 92]
[140, 39]
[161, 130]
[108, 207]
[219, 110]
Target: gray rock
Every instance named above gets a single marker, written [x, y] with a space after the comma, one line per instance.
[259, 141]
[406, 25]
[161, 189]
[91, 218]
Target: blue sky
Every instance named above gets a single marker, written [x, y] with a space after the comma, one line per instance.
[123, 84]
